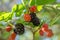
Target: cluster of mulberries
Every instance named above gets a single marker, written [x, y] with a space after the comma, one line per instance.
[31, 17]
[45, 30]
[19, 29]
[34, 19]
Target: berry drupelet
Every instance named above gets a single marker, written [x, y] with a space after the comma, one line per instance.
[41, 32]
[8, 28]
[19, 25]
[34, 19]
[27, 17]
[19, 28]
[33, 9]
[45, 29]
[33, 15]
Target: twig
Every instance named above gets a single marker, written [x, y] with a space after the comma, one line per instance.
[36, 30]
[30, 28]
[30, 2]
[23, 2]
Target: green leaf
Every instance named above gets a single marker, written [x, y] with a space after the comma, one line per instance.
[54, 20]
[26, 2]
[45, 2]
[58, 22]
[14, 8]
[42, 2]
[33, 2]
[19, 13]
[40, 7]
[37, 36]
[5, 35]
[5, 15]
[8, 18]
[18, 9]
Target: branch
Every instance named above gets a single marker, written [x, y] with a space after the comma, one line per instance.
[30, 2]
[39, 27]
[23, 2]
[36, 30]
[54, 9]
[2, 30]
[30, 28]
[54, 20]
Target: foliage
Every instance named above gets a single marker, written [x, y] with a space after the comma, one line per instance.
[46, 11]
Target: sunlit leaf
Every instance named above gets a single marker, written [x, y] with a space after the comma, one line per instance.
[21, 6]
[18, 9]
[40, 7]
[5, 15]
[14, 8]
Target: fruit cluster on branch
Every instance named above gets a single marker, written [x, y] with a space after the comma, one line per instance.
[31, 17]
